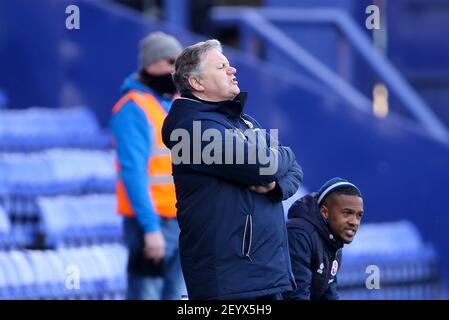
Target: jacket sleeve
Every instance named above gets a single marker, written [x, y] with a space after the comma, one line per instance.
[287, 185]
[133, 137]
[239, 160]
[301, 259]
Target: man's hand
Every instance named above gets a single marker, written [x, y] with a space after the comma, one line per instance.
[154, 246]
[263, 188]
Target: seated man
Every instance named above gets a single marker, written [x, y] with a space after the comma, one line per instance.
[318, 226]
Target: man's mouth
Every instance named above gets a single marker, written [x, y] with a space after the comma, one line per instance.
[234, 80]
[350, 232]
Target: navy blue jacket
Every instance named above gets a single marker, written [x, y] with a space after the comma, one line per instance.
[314, 251]
[233, 241]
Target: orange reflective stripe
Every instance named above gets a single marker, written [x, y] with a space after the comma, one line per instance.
[122, 101]
[119, 104]
[131, 95]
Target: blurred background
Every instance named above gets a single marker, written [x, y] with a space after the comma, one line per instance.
[357, 91]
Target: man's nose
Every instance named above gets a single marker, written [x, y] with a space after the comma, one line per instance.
[354, 221]
[232, 70]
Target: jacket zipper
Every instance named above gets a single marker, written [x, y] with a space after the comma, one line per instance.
[249, 228]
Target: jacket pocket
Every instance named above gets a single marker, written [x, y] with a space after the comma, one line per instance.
[247, 237]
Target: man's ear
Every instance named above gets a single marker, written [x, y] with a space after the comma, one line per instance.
[195, 84]
[325, 211]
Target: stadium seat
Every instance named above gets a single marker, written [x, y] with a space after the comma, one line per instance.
[53, 172]
[22, 235]
[398, 253]
[97, 275]
[101, 254]
[51, 274]
[12, 287]
[27, 285]
[77, 263]
[79, 220]
[5, 228]
[59, 274]
[47, 278]
[38, 128]
[118, 255]
[3, 284]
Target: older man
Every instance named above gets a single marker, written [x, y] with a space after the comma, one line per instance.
[233, 240]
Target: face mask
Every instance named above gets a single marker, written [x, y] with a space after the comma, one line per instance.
[162, 84]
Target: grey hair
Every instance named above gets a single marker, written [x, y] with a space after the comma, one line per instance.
[189, 61]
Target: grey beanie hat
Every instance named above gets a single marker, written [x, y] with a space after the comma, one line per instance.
[157, 45]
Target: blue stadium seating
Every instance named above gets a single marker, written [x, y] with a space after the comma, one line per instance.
[117, 255]
[22, 235]
[408, 268]
[25, 176]
[40, 128]
[53, 172]
[5, 228]
[45, 274]
[27, 283]
[11, 288]
[109, 268]
[101, 277]
[3, 282]
[79, 220]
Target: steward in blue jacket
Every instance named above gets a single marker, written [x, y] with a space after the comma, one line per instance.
[318, 225]
[233, 241]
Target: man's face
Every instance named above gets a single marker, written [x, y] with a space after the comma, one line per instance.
[344, 213]
[217, 81]
[162, 66]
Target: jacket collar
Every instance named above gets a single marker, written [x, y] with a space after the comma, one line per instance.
[230, 108]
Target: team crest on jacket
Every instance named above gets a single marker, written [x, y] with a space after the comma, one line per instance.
[334, 268]
[320, 270]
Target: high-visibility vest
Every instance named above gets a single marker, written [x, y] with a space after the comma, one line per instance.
[160, 185]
